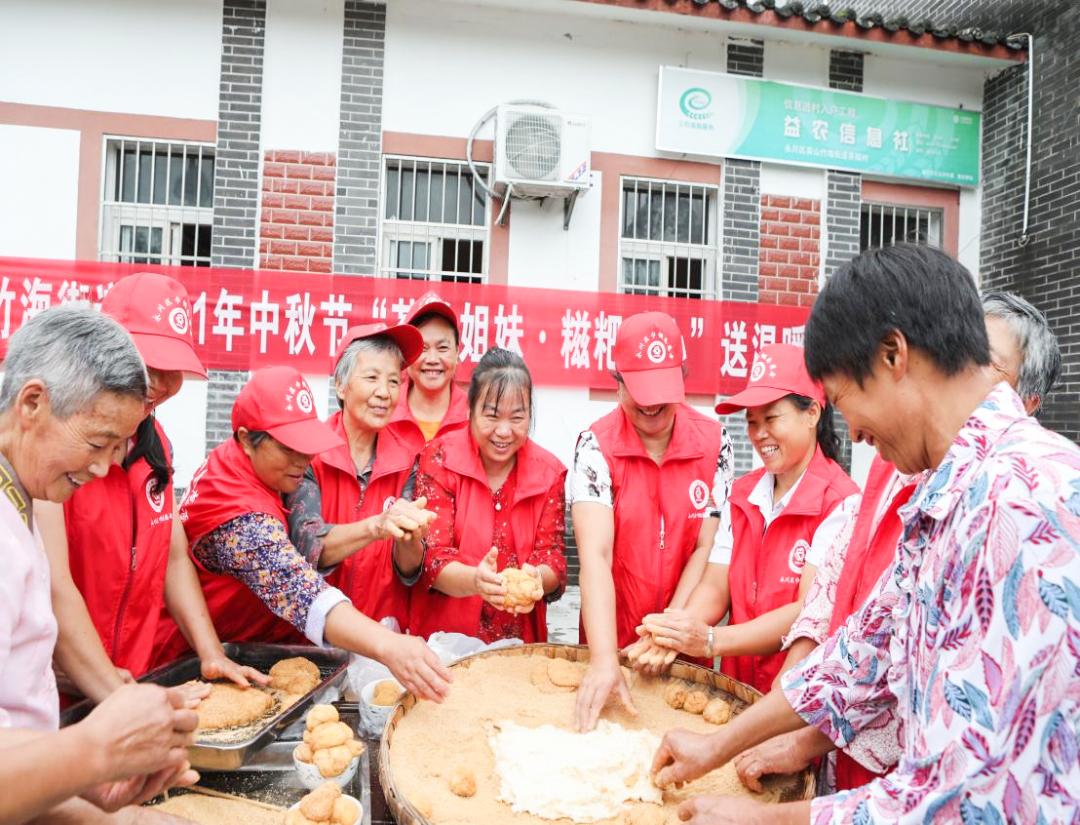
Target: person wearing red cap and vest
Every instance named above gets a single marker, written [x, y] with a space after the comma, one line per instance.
[500, 503]
[431, 403]
[258, 586]
[785, 517]
[649, 492]
[354, 502]
[118, 556]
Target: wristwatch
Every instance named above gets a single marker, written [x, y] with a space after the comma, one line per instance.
[709, 643]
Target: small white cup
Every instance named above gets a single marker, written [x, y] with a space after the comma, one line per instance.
[311, 778]
[373, 718]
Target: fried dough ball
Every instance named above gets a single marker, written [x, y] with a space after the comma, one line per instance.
[675, 695]
[330, 735]
[303, 752]
[230, 706]
[294, 817]
[319, 804]
[522, 589]
[296, 675]
[717, 712]
[320, 715]
[563, 673]
[355, 746]
[346, 812]
[333, 761]
[387, 692]
[695, 702]
[462, 781]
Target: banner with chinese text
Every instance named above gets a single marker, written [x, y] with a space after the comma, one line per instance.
[722, 115]
[246, 319]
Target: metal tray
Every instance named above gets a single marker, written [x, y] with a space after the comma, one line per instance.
[332, 663]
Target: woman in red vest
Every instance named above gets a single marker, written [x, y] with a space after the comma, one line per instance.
[118, 555]
[431, 403]
[785, 517]
[649, 486]
[258, 585]
[354, 502]
[499, 503]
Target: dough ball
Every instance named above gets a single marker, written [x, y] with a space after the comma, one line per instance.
[355, 746]
[333, 761]
[303, 752]
[645, 815]
[294, 817]
[462, 781]
[387, 692]
[675, 695]
[522, 589]
[695, 702]
[330, 735]
[346, 812]
[307, 737]
[564, 673]
[423, 806]
[320, 715]
[296, 675]
[319, 804]
[717, 712]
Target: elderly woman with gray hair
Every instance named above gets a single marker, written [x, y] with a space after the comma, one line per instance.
[73, 393]
[353, 508]
[1023, 350]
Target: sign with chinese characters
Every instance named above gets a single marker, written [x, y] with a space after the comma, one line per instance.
[246, 319]
[723, 115]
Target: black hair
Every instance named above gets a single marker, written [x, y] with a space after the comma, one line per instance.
[827, 438]
[918, 291]
[255, 437]
[499, 370]
[424, 317]
[148, 445]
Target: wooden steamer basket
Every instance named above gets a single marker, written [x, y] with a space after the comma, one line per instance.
[794, 788]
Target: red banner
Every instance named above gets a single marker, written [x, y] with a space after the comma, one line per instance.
[245, 319]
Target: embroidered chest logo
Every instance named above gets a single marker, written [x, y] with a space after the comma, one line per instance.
[797, 557]
[386, 505]
[656, 347]
[156, 500]
[699, 493]
[764, 367]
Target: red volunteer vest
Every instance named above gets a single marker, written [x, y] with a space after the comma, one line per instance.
[223, 488]
[118, 533]
[766, 565]
[868, 556]
[474, 526]
[658, 509]
[366, 577]
[404, 425]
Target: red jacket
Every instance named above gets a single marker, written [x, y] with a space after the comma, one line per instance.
[404, 425]
[463, 478]
[766, 565]
[366, 577]
[869, 553]
[658, 509]
[118, 533]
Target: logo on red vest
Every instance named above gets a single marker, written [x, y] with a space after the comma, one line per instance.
[699, 493]
[764, 367]
[797, 557]
[157, 500]
[179, 320]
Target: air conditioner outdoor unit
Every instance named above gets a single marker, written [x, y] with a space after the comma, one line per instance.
[540, 152]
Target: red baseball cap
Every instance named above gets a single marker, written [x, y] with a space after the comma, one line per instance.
[432, 302]
[649, 357]
[278, 400]
[778, 370]
[408, 339]
[156, 312]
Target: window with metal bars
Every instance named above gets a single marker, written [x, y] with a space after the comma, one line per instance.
[668, 239]
[884, 224]
[157, 204]
[435, 221]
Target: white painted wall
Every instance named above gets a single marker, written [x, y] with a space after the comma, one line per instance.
[969, 233]
[39, 170]
[302, 75]
[150, 57]
[793, 181]
[183, 417]
[808, 66]
[942, 85]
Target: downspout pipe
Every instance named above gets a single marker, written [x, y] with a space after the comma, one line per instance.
[1024, 235]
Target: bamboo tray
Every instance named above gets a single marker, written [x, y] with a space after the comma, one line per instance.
[793, 788]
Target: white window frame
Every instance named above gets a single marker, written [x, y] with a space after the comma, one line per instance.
[894, 212]
[393, 231]
[116, 214]
[667, 252]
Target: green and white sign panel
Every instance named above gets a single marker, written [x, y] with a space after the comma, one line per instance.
[723, 115]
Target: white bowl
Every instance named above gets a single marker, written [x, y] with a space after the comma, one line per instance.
[311, 778]
[359, 807]
[373, 718]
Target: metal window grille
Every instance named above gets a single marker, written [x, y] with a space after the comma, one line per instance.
[883, 224]
[157, 204]
[668, 242]
[436, 221]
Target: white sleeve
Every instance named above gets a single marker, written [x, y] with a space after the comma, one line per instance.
[830, 528]
[590, 479]
[724, 541]
[320, 608]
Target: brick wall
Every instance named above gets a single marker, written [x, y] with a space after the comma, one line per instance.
[1004, 16]
[224, 385]
[789, 259]
[296, 230]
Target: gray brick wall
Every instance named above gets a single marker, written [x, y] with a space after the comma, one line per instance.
[989, 15]
[845, 70]
[223, 386]
[1045, 270]
[237, 163]
[360, 139]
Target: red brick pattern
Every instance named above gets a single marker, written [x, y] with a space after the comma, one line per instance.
[789, 255]
[297, 226]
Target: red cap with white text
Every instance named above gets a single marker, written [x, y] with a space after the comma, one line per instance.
[278, 401]
[778, 370]
[649, 357]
